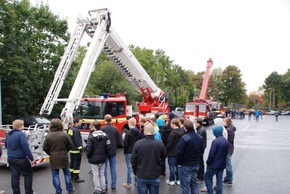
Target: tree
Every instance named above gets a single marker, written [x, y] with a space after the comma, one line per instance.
[31, 44]
[215, 84]
[285, 88]
[273, 86]
[233, 88]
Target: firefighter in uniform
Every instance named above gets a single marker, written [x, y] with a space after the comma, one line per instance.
[76, 151]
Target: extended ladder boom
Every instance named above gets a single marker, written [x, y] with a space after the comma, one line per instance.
[205, 83]
[98, 27]
[63, 69]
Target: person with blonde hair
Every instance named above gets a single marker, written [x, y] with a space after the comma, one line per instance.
[57, 144]
[132, 136]
[19, 157]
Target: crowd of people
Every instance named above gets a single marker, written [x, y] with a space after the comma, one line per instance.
[181, 141]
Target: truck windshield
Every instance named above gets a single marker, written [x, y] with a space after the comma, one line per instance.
[91, 110]
[216, 106]
[191, 108]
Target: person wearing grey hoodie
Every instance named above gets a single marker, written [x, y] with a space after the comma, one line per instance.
[216, 162]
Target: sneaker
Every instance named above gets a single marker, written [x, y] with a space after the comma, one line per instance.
[1, 191]
[199, 181]
[177, 182]
[72, 192]
[171, 183]
[203, 189]
[228, 184]
[126, 185]
[112, 187]
[214, 188]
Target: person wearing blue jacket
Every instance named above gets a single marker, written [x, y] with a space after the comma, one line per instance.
[216, 161]
[19, 157]
[188, 150]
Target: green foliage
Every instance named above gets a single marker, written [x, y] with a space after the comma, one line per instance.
[232, 87]
[277, 87]
[32, 41]
[215, 84]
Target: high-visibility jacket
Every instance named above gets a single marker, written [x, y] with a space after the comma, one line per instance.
[76, 138]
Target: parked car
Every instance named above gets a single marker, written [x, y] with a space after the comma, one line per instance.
[271, 112]
[34, 120]
[286, 113]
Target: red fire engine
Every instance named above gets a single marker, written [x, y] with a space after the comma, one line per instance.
[200, 107]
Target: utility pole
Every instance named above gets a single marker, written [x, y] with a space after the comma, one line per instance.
[270, 100]
[274, 104]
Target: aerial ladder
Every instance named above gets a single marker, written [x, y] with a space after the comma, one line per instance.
[103, 38]
[205, 82]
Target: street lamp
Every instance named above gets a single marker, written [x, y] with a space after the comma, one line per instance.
[272, 93]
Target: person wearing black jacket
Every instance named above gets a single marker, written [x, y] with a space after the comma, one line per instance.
[202, 132]
[132, 136]
[146, 161]
[228, 180]
[76, 151]
[114, 137]
[97, 150]
[172, 142]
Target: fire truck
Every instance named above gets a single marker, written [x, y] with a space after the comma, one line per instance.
[103, 38]
[201, 107]
[35, 137]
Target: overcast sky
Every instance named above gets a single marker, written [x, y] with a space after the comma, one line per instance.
[253, 35]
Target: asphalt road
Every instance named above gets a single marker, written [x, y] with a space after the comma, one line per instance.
[260, 163]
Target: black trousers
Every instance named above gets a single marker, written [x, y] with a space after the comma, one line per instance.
[75, 164]
[201, 166]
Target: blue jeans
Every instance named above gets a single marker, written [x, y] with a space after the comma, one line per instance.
[173, 170]
[210, 172]
[188, 179]
[56, 181]
[112, 161]
[129, 168]
[229, 169]
[21, 167]
[145, 185]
